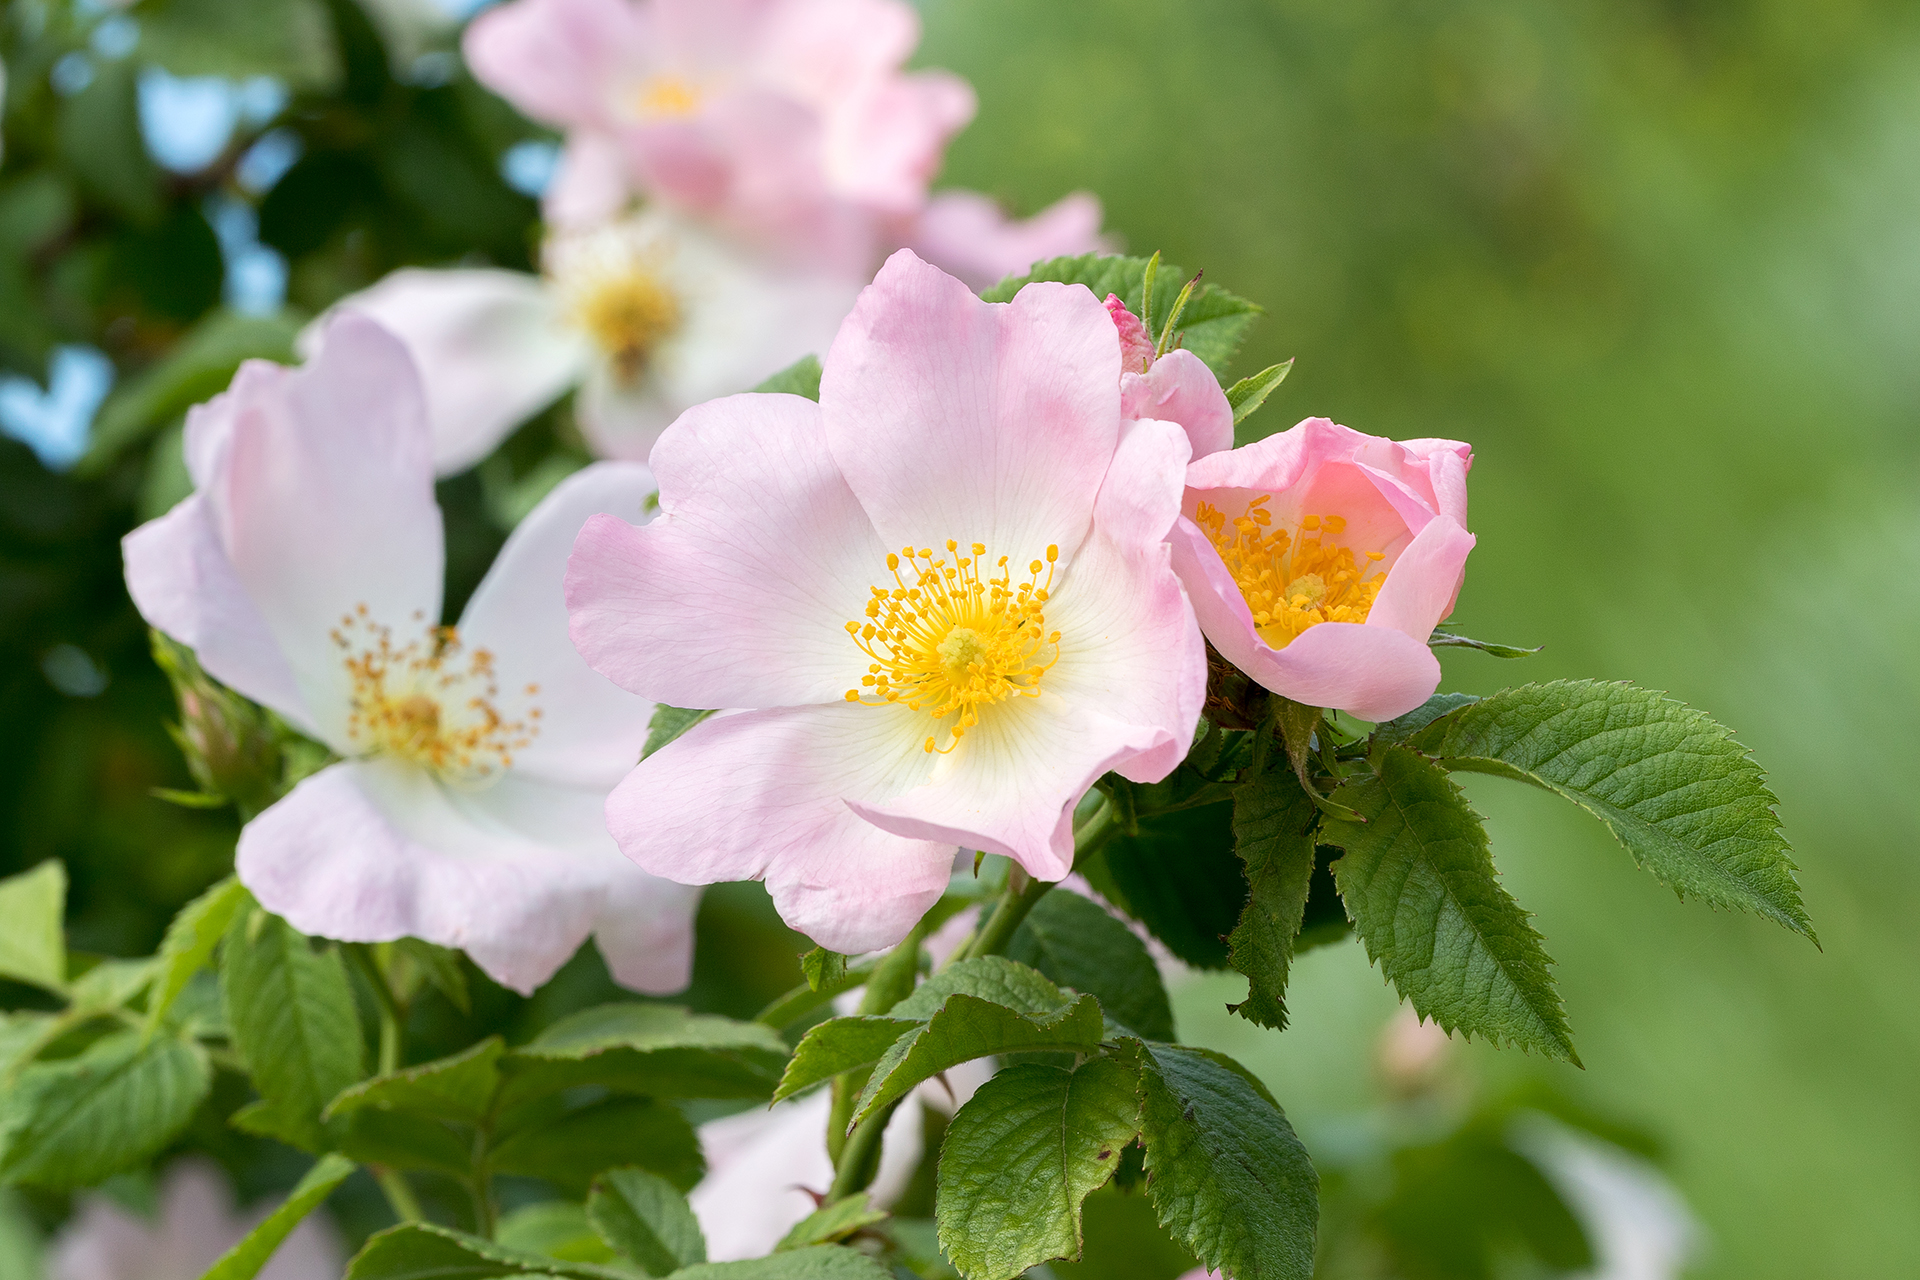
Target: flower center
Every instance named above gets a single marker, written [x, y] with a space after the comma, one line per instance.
[954, 635]
[1292, 580]
[627, 312]
[667, 97]
[429, 702]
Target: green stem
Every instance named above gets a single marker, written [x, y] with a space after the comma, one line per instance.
[399, 1193]
[860, 1158]
[391, 1020]
[1023, 893]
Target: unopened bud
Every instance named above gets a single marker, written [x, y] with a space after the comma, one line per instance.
[1136, 344]
[231, 746]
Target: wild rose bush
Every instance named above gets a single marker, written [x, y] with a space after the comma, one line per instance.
[971, 633]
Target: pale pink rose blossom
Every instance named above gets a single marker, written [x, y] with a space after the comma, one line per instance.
[1345, 549]
[197, 1223]
[306, 572]
[970, 236]
[790, 121]
[973, 455]
[1175, 387]
[647, 316]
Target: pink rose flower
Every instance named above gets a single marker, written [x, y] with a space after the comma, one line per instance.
[197, 1224]
[968, 235]
[1176, 387]
[305, 571]
[1319, 561]
[942, 597]
[789, 120]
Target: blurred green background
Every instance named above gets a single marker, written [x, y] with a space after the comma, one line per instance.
[1658, 260]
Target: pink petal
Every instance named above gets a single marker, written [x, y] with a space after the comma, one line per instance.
[1422, 585]
[1180, 388]
[969, 235]
[591, 731]
[1373, 672]
[884, 149]
[591, 185]
[182, 582]
[955, 418]
[319, 482]
[1136, 348]
[489, 347]
[560, 61]
[739, 594]
[517, 875]
[787, 776]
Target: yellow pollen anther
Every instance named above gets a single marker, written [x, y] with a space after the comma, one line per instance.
[429, 701]
[1292, 580]
[627, 313]
[666, 97]
[947, 641]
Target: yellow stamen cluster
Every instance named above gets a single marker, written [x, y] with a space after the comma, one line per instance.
[667, 97]
[952, 636]
[1294, 579]
[428, 701]
[627, 312]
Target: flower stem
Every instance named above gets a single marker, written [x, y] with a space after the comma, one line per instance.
[391, 1022]
[1023, 892]
[399, 1193]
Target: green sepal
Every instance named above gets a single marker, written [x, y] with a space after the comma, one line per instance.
[1250, 393]
[801, 378]
[1449, 640]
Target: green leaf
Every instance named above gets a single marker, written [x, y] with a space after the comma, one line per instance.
[1249, 394]
[189, 945]
[1418, 880]
[100, 140]
[440, 967]
[838, 1045]
[290, 39]
[1273, 823]
[555, 1228]
[1440, 704]
[1672, 785]
[1031, 1145]
[803, 1000]
[1447, 640]
[423, 1251]
[646, 1218]
[110, 983]
[571, 1150]
[832, 1222]
[991, 978]
[667, 724]
[1077, 943]
[458, 1088]
[655, 1049]
[196, 368]
[821, 1262]
[801, 378]
[401, 1139]
[74, 1122]
[23, 1033]
[291, 1013]
[1227, 1175]
[244, 1260]
[1212, 325]
[1178, 875]
[33, 946]
[823, 968]
[967, 1027]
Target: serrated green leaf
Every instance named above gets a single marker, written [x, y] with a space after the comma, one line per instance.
[196, 368]
[244, 1260]
[399, 1139]
[189, 945]
[1178, 875]
[109, 984]
[74, 1122]
[1077, 943]
[1672, 785]
[555, 1229]
[1447, 639]
[291, 1015]
[1418, 880]
[660, 1050]
[992, 978]
[290, 39]
[23, 1033]
[424, 1251]
[667, 724]
[1249, 394]
[1212, 325]
[570, 1150]
[832, 1222]
[33, 944]
[801, 378]
[838, 1045]
[967, 1027]
[823, 968]
[1226, 1174]
[1031, 1145]
[1440, 704]
[1273, 823]
[458, 1088]
[821, 1262]
[645, 1217]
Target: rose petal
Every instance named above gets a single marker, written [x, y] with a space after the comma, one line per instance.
[1180, 388]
